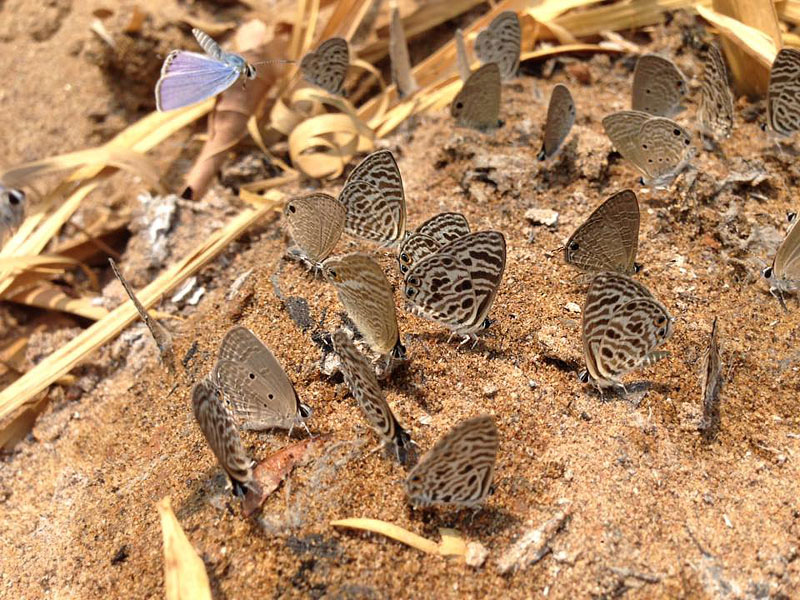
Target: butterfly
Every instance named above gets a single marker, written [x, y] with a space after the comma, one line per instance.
[716, 101]
[457, 286]
[430, 237]
[783, 93]
[363, 384]
[500, 43]
[219, 428]
[658, 86]
[711, 384]
[255, 385]
[609, 238]
[658, 147]
[477, 105]
[459, 469]
[560, 118]
[189, 77]
[368, 298]
[622, 325]
[398, 52]
[374, 200]
[784, 274]
[327, 67]
[12, 211]
[316, 223]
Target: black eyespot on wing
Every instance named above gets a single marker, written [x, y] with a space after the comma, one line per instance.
[292, 208]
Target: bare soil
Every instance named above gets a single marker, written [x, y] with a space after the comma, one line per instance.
[655, 511]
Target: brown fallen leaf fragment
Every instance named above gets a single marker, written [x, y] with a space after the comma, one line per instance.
[185, 575]
[452, 543]
[227, 123]
[533, 545]
[271, 471]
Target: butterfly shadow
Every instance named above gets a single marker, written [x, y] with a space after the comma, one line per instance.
[473, 523]
[633, 392]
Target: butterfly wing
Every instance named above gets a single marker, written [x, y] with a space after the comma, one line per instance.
[658, 86]
[440, 289]
[445, 227]
[254, 381]
[316, 223]
[371, 215]
[483, 255]
[459, 469]
[560, 118]
[327, 67]
[367, 297]
[716, 101]
[500, 43]
[413, 249]
[477, 105]
[189, 77]
[608, 240]
[363, 384]
[623, 128]
[219, 429]
[634, 331]
[786, 265]
[783, 93]
[664, 148]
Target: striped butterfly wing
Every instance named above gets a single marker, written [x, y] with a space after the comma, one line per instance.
[459, 469]
[664, 147]
[716, 101]
[375, 201]
[445, 227]
[608, 240]
[327, 67]
[783, 93]
[483, 255]
[631, 336]
[363, 384]
[500, 43]
[219, 428]
[623, 128]
[413, 249]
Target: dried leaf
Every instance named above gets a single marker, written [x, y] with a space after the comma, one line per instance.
[271, 471]
[533, 545]
[185, 575]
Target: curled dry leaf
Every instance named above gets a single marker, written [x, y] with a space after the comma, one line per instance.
[271, 471]
[227, 123]
[185, 575]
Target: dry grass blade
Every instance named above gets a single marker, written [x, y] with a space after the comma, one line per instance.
[452, 543]
[108, 155]
[742, 48]
[185, 575]
[751, 73]
[72, 353]
[51, 297]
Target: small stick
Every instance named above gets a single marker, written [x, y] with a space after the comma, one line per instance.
[161, 336]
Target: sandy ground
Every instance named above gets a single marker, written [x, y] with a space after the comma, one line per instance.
[655, 511]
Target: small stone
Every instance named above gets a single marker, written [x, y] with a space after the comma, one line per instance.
[476, 554]
[573, 308]
[490, 390]
[425, 420]
[542, 216]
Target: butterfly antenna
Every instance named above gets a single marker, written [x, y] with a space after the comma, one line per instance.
[275, 61]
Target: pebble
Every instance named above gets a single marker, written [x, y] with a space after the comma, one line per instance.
[542, 216]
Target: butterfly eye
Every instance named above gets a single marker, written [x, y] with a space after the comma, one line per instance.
[15, 198]
[332, 274]
[292, 208]
[574, 246]
[767, 272]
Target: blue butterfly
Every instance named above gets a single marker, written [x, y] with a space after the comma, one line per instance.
[189, 77]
